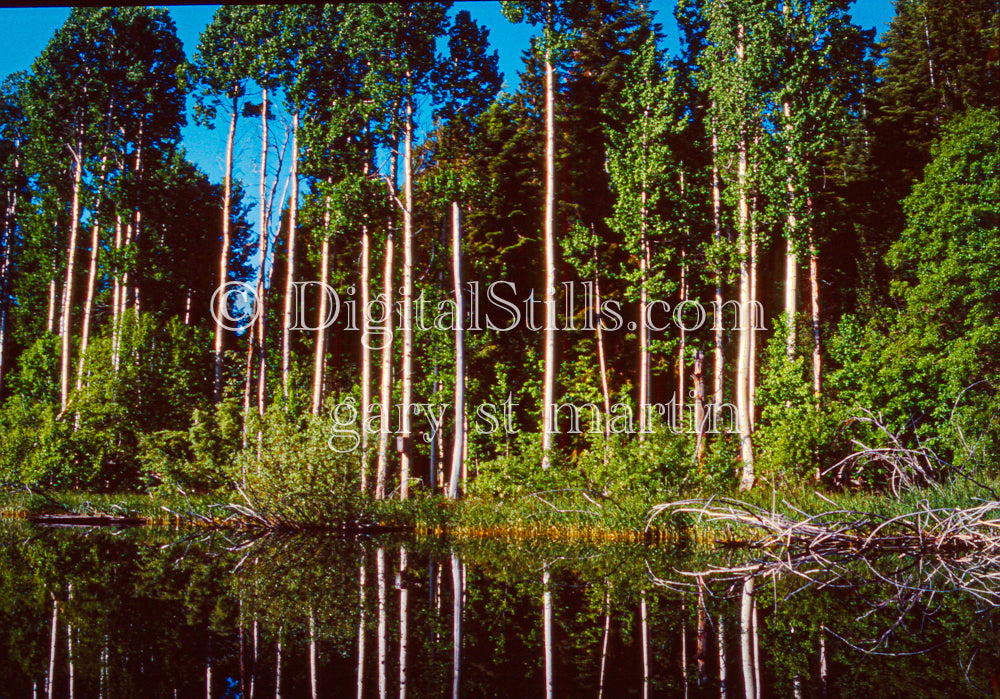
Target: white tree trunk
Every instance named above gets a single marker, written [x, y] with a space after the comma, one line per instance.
[404, 619]
[743, 405]
[407, 377]
[320, 353]
[718, 363]
[224, 253]
[456, 263]
[547, 633]
[293, 206]
[549, 377]
[386, 387]
[456, 628]
[70, 272]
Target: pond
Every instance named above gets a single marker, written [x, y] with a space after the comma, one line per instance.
[147, 612]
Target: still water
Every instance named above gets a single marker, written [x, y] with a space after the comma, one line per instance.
[164, 613]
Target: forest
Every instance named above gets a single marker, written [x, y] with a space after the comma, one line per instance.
[769, 261]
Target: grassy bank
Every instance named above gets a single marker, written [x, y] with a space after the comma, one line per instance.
[563, 514]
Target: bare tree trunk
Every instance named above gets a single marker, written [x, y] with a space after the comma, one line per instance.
[752, 367]
[817, 356]
[601, 356]
[50, 320]
[407, 377]
[644, 260]
[791, 258]
[746, 640]
[549, 377]
[822, 663]
[95, 245]
[70, 272]
[262, 250]
[743, 367]
[293, 206]
[366, 351]
[699, 406]
[320, 355]
[224, 254]
[456, 628]
[386, 388]
[116, 295]
[456, 262]
[717, 368]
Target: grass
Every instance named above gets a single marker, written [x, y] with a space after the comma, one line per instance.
[562, 514]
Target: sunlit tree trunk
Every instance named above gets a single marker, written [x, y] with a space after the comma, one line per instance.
[366, 352]
[718, 363]
[386, 388]
[791, 258]
[70, 273]
[293, 207]
[262, 250]
[746, 313]
[549, 372]
[644, 260]
[601, 357]
[407, 377]
[95, 246]
[224, 253]
[320, 350]
[817, 356]
[51, 316]
[116, 294]
[456, 263]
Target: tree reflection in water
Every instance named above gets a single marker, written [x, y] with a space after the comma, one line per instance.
[149, 613]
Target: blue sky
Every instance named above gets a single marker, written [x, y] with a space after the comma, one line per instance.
[26, 31]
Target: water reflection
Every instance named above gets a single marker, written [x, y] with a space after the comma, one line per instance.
[103, 613]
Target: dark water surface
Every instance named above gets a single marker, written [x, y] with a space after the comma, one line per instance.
[156, 613]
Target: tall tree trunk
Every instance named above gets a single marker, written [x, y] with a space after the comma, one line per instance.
[262, 250]
[70, 273]
[293, 206]
[601, 357]
[320, 353]
[644, 260]
[743, 365]
[456, 263]
[51, 316]
[277, 665]
[717, 367]
[366, 350]
[116, 295]
[95, 246]
[224, 253]
[549, 373]
[386, 387]
[791, 257]
[817, 357]
[407, 377]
